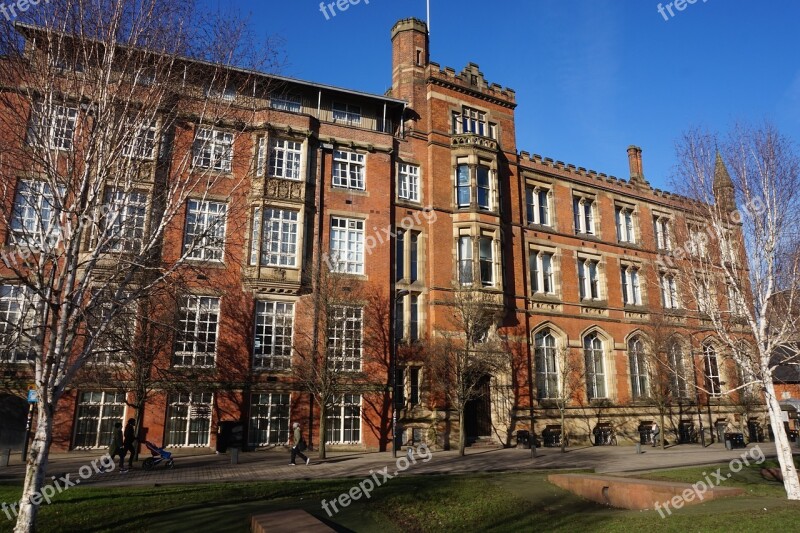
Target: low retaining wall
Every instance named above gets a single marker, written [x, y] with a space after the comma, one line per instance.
[287, 522]
[637, 494]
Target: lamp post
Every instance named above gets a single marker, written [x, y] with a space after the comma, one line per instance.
[393, 368]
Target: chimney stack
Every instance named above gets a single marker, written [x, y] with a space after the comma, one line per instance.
[635, 163]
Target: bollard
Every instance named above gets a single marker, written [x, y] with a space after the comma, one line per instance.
[410, 453]
[638, 447]
[728, 444]
[533, 449]
[234, 456]
[5, 457]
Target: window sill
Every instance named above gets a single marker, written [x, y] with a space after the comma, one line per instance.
[546, 297]
[281, 371]
[404, 202]
[588, 237]
[541, 227]
[282, 178]
[34, 146]
[209, 263]
[361, 277]
[214, 171]
[349, 190]
[641, 401]
[600, 402]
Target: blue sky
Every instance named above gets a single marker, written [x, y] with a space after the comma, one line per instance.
[591, 76]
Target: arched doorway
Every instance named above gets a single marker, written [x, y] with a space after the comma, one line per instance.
[478, 412]
[13, 417]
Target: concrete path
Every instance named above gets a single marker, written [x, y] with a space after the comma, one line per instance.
[203, 466]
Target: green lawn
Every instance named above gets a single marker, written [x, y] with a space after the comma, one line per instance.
[479, 502]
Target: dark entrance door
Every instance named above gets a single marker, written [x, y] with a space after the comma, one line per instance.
[13, 417]
[478, 413]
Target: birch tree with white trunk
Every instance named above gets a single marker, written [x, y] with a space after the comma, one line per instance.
[741, 267]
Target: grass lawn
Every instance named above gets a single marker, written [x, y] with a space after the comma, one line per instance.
[478, 502]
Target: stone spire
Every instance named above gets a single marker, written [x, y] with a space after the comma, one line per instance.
[724, 192]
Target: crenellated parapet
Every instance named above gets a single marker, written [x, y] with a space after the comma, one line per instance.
[471, 80]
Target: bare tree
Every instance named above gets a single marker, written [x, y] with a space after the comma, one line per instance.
[98, 109]
[559, 375]
[571, 379]
[662, 361]
[464, 356]
[751, 207]
[330, 350]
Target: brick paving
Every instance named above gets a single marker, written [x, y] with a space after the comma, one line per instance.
[203, 466]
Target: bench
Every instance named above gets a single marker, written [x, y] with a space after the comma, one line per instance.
[287, 522]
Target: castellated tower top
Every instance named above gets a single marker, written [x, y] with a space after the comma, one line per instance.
[409, 24]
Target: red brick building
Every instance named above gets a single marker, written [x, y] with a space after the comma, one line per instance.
[414, 194]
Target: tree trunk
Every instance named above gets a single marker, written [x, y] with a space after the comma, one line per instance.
[140, 403]
[782, 445]
[563, 431]
[323, 428]
[663, 430]
[462, 437]
[37, 468]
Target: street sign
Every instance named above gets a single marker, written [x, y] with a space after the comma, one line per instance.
[32, 397]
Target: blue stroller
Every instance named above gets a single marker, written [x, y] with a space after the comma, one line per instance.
[158, 455]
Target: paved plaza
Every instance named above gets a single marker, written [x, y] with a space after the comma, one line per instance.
[204, 466]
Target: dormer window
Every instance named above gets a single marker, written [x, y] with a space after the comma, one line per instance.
[228, 94]
[286, 102]
[348, 113]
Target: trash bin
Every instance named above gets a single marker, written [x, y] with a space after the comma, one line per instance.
[646, 433]
[686, 432]
[230, 434]
[602, 434]
[524, 439]
[756, 433]
[552, 436]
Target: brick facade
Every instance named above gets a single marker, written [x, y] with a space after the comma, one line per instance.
[436, 126]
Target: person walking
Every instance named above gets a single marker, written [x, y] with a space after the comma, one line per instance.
[299, 446]
[116, 446]
[128, 444]
[656, 433]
